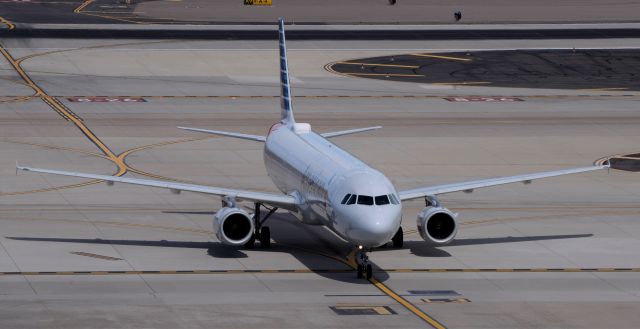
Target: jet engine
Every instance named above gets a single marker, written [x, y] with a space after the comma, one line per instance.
[233, 226]
[437, 225]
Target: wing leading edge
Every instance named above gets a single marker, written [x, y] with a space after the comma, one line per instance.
[282, 201]
[471, 185]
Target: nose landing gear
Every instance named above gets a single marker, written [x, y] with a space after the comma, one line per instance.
[365, 270]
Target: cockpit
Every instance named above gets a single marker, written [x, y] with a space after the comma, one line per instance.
[368, 200]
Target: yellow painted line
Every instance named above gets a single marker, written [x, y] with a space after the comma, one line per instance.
[374, 64]
[444, 57]
[385, 74]
[64, 112]
[82, 6]
[415, 310]
[9, 25]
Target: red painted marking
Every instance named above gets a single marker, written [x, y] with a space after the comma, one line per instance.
[106, 99]
[484, 99]
[273, 128]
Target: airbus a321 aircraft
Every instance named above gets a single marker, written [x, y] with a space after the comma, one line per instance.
[322, 184]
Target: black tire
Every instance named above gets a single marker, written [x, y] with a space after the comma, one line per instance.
[369, 271]
[265, 237]
[398, 238]
[251, 243]
[360, 270]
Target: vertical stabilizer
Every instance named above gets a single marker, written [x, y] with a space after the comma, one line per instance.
[285, 90]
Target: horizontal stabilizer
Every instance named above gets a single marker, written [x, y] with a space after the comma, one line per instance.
[229, 134]
[348, 132]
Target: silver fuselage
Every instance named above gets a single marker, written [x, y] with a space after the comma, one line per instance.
[319, 173]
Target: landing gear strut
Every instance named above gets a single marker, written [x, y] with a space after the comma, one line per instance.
[262, 233]
[365, 270]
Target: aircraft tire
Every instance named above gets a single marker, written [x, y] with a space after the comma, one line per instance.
[360, 270]
[398, 238]
[265, 237]
[369, 271]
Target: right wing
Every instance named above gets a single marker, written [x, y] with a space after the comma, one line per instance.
[279, 200]
[471, 185]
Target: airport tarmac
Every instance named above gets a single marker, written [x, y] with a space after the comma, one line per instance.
[559, 253]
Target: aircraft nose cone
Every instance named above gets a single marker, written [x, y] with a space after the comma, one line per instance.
[374, 231]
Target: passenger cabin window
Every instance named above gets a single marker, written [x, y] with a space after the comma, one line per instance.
[352, 199]
[393, 198]
[346, 198]
[366, 200]
[382, 200]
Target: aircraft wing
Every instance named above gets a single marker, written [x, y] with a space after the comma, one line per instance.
[471, 185]
[348, 132]
[228, 134]
[278, 200]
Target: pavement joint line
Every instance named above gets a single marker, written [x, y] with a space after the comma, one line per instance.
[374, 281]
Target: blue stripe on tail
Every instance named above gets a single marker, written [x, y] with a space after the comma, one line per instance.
[285, 91]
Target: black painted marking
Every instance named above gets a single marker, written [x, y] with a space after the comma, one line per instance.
[363, 310]
[596, 69]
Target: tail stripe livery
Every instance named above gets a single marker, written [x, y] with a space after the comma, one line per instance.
[285, 94]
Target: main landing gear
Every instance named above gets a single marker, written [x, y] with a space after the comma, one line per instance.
[262, 233]
[365, 270]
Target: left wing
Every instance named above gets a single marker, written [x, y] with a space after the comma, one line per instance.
[348, 132]
[471, 185]
[279, 200]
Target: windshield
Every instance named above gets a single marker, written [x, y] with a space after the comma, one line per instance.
[366, 200]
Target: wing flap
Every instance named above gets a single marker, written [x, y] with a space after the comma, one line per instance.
[282, 201]
[471, 185]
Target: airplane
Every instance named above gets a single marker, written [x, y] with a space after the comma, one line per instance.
[322, 184]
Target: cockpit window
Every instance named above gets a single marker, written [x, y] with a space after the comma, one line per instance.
[366, 200]
[346, 198]
[393, 198]
[381, 200]
[352, 199]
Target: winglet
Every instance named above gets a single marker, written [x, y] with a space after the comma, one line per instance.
[285, 92]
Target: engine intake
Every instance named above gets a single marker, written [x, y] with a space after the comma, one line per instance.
[437, 225]
[233, 226]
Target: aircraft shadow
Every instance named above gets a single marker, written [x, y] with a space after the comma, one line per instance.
[315, 247]
[420, 248]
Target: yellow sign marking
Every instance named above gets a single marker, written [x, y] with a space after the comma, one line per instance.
[374, 64]
[82, 6]
[444, 57]
[9, 25]
[258, 2]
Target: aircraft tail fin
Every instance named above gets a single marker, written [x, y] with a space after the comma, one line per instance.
[285, 90]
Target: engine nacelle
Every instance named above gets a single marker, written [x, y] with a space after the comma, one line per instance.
[437, 225]
[233, 226]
